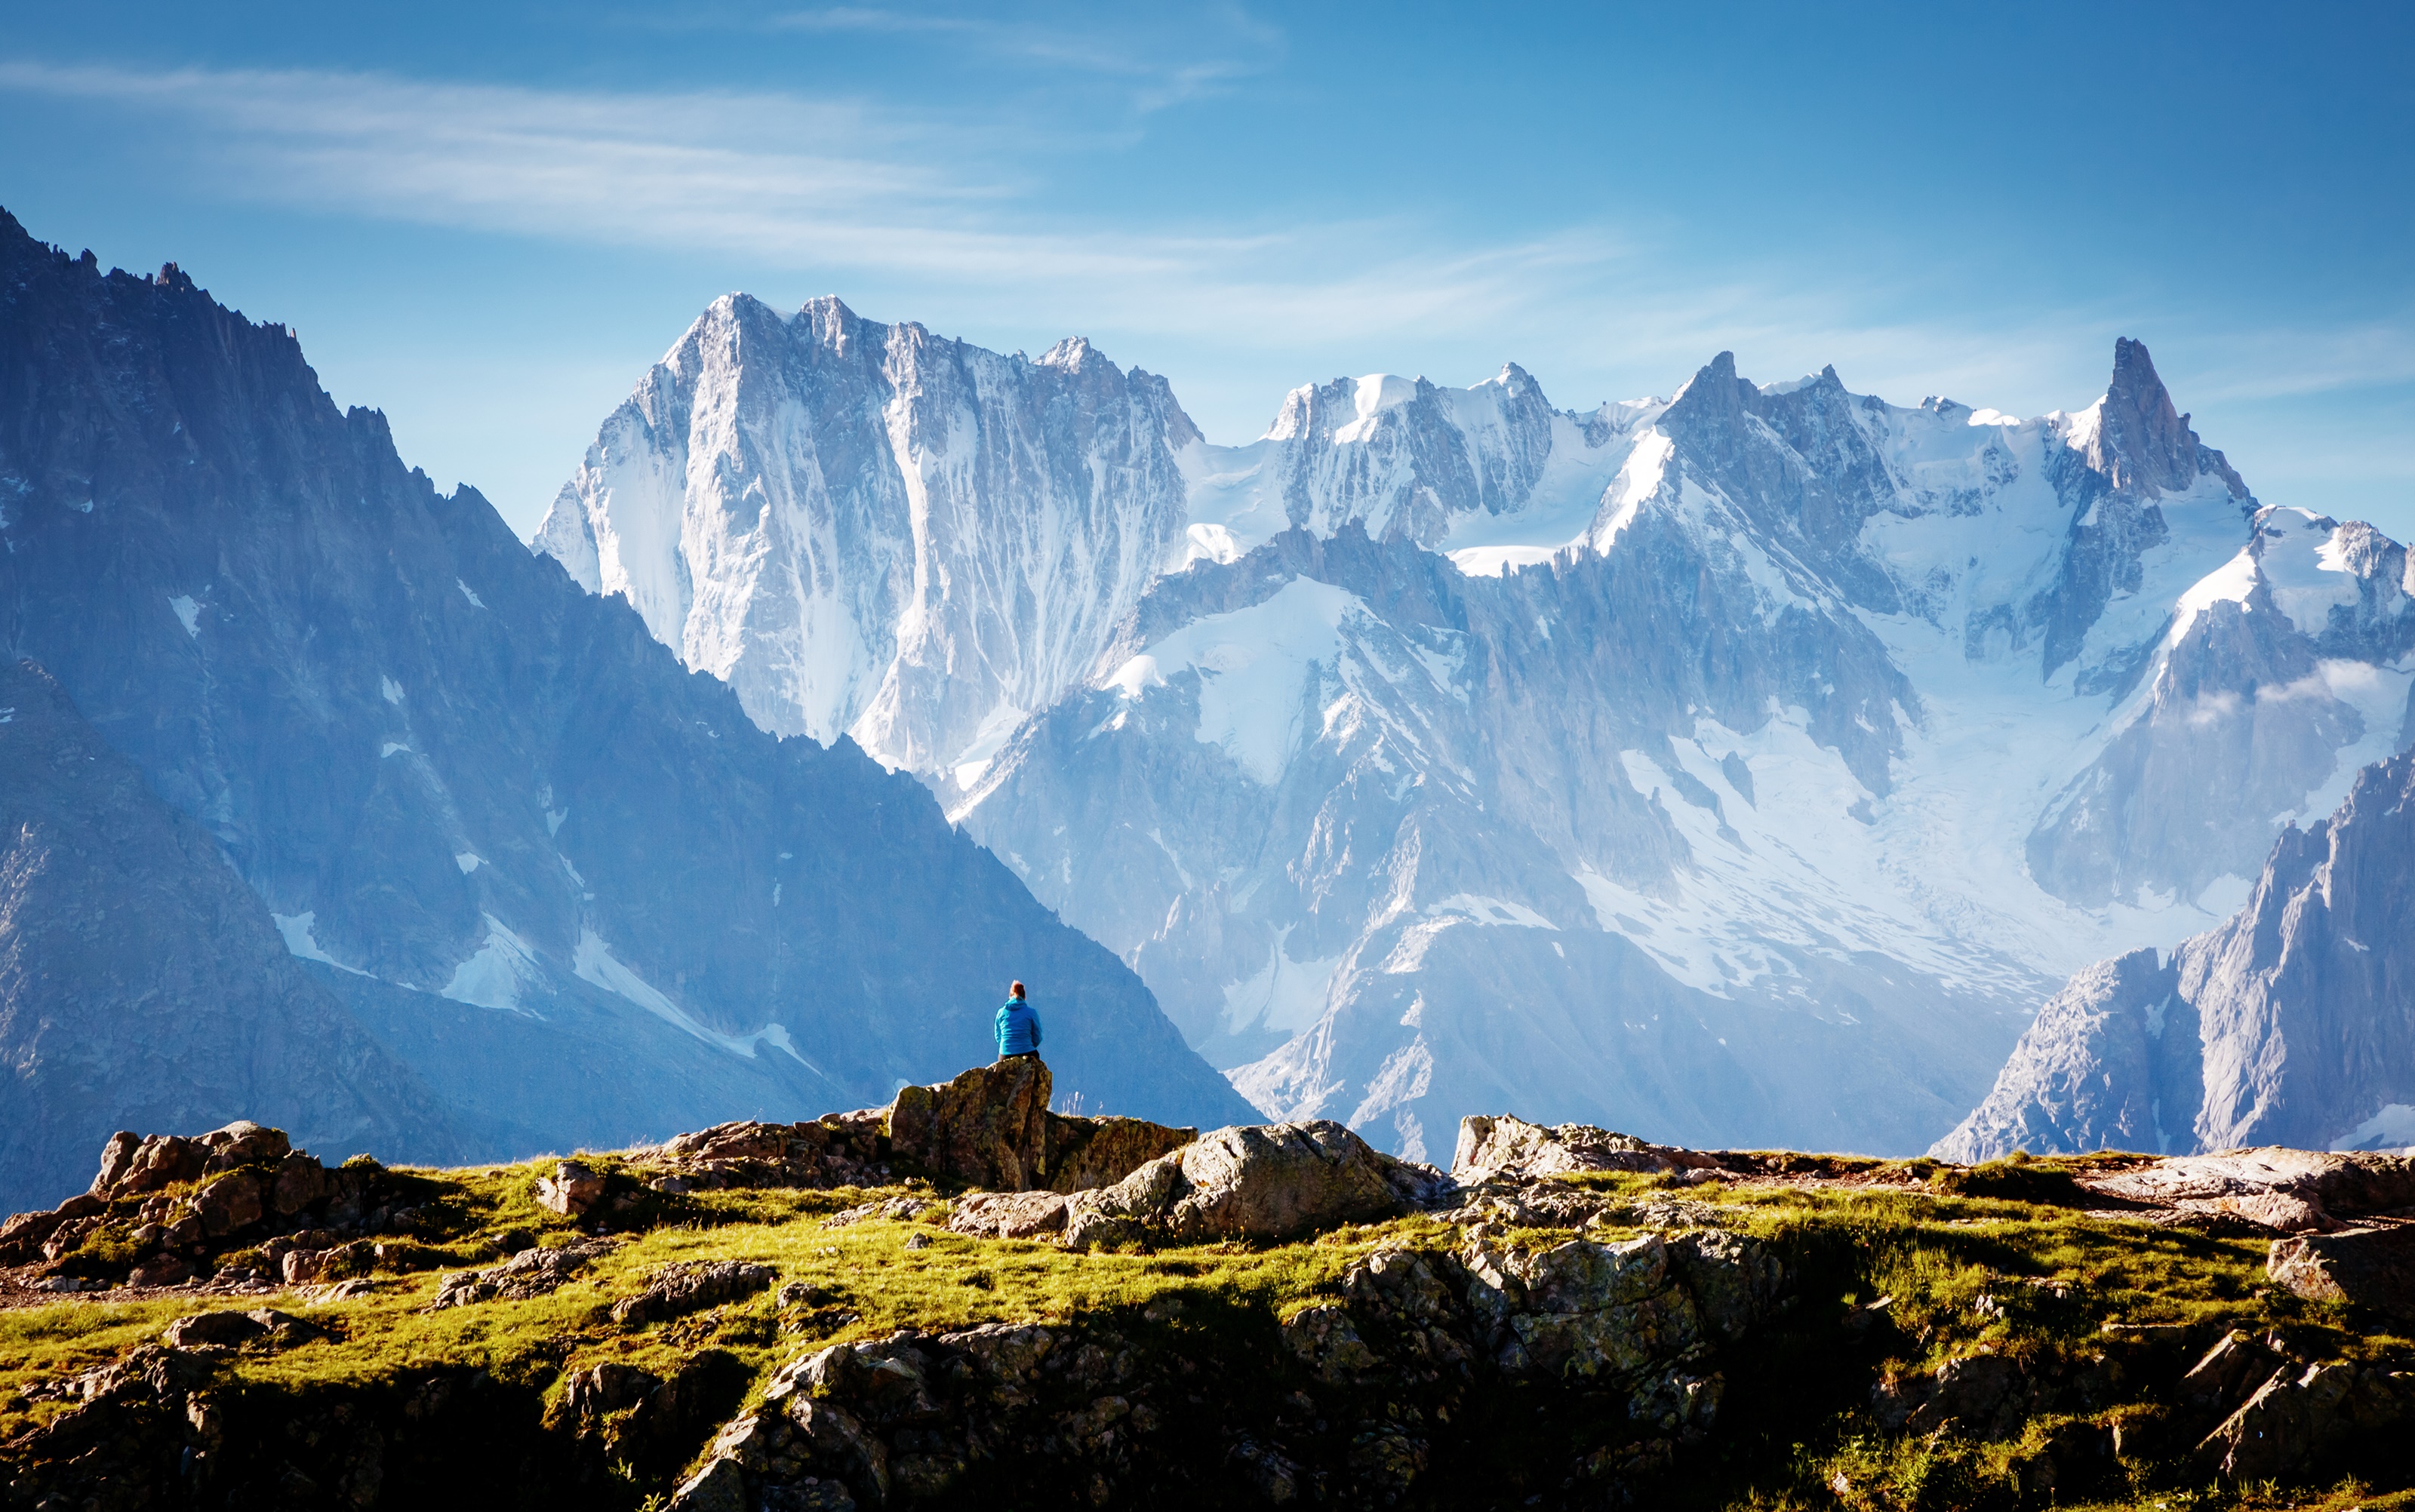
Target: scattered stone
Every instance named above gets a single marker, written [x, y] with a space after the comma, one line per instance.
[896, 1209]
[534, 1272]
[571, 1190]
[1008, 1215]
[214, 1328]
[690, 1287]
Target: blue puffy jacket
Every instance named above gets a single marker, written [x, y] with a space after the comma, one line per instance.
[1018, 1028]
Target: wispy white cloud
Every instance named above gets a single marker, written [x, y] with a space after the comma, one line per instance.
[833, 187]
[950, 209]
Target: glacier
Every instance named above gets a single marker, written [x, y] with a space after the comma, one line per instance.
[1745, 766]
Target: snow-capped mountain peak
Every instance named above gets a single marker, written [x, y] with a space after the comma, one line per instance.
[1740, 765]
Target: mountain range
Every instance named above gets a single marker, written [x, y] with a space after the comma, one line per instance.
[535, 883]
[1740, 766]
[1744, 766]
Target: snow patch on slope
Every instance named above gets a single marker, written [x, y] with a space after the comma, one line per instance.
[1254, 666]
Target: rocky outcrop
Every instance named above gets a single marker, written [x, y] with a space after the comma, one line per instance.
[992, 1128]
[1271, 1181]
[2290, 1023]
[1388, 1386]
[1493, 1146]
[169, 1208]
[987, 1128]
[2372, 1267]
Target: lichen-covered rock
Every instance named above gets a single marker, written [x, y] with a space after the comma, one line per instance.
[571, 1190]
[1084, 1154]
[988, 1127]
[533, 1272]
[1327, 1342]
[1008, 1215]
[1255, 1181]
[2372, 1267]
[677, 1290]
[233, 1202]
[1499, 1145]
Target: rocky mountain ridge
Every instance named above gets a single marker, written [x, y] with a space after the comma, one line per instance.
[2289, 1022]
[1744, 765]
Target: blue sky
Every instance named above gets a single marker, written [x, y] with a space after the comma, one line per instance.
[486, 220]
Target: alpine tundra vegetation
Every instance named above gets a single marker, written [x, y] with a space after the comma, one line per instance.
[830, 1315]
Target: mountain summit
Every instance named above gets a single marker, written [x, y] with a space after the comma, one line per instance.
[1741, 766]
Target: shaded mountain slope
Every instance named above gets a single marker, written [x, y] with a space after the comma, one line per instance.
[143, 984]
[564, 877]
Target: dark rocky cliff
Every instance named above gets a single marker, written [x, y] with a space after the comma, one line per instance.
[564, 879]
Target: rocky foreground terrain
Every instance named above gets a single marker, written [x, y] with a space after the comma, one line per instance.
[965, 1299]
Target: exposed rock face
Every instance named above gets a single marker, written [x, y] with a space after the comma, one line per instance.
[1406, 1375]
[2291, 1024]
[1273, 1181]
[440, 764]
[1493, 1145]
[1397, 834]
[1343, 800]
[2373, 1267]
[868, 529]
[991, 1128]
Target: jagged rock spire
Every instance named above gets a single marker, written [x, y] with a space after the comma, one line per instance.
[2144, 442]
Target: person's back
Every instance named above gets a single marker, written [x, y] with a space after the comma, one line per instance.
[1018, 1026]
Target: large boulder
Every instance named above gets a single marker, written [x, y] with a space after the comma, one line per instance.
[988, 1127]
[991, 1129]
[1252, 1181]
[2291, 1191]
[1088, 1153]
[2373, 1267]
[1498, 1147]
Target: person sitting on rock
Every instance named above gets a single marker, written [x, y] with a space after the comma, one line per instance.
[1018, 1028]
